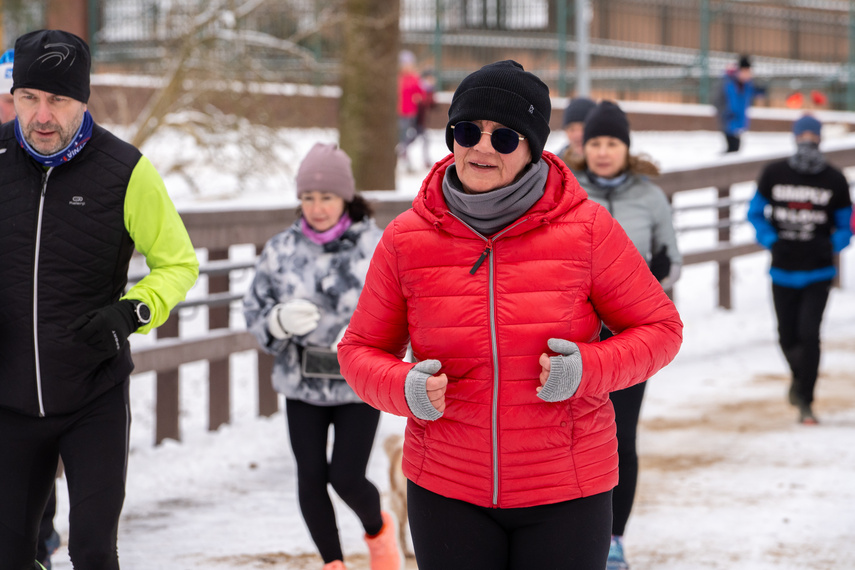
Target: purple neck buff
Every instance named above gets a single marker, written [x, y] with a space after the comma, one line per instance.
[331, 234]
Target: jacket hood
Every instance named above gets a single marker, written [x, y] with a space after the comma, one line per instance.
[561, 194]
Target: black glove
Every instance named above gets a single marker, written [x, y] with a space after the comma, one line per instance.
[660, 264]
[106, 330]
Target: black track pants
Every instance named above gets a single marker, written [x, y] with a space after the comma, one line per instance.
[799, 314]
[93, 443]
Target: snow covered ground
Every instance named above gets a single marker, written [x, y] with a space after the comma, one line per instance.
[728, 479]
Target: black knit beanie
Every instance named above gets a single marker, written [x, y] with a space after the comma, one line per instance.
[505, 93]
[606, 120]
[577, 110]
[54, 61]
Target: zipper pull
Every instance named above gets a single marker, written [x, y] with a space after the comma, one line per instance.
[481, 259]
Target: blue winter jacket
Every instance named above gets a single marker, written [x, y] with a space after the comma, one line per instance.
[738, 97]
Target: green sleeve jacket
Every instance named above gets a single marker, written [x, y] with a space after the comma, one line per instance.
[67, 234]
[160, 236]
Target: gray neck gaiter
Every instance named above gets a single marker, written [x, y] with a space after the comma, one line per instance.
[489, 212]
[808, 159]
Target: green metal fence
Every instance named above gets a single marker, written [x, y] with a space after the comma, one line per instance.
[668, 50]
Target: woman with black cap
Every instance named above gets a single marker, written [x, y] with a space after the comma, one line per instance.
[498, 278]
[618, 180]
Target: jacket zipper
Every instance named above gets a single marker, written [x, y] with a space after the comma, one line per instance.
[45, 177]
[494, 345]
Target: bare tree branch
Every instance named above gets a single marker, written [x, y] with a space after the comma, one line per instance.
[204, 95]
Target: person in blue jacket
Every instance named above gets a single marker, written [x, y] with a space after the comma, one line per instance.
[801, 212]
[736, 94]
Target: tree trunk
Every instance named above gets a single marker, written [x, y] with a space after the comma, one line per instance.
[71, 16]
[368, 115]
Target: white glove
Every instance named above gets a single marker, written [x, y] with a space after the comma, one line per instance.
[296, 317]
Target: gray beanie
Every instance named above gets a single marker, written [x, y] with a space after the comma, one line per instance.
[326, 168]
[505, 93]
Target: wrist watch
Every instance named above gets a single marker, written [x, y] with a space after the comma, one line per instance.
[142, 312]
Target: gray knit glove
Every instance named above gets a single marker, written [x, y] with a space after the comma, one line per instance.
[565, 372]
[416, 391]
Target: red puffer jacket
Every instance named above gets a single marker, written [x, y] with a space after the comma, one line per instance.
[555, 272]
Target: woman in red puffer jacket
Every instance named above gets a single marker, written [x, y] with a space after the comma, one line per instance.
[499, 277]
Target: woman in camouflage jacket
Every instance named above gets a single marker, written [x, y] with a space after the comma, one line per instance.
[307, 282]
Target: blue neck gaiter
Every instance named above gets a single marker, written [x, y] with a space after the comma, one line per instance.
[84, 133]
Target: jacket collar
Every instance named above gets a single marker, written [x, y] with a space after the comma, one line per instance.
[562, 193]
[591, 188]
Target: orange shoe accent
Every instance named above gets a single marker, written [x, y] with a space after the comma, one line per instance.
[383, 547]
[335, 565]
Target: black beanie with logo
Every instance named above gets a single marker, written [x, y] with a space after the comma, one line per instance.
[606, 120]
[54, 61]
[505, 93]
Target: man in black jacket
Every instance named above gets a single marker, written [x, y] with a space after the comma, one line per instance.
[75, 202]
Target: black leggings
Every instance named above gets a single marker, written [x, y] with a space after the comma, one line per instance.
[799, 314]
[449, 534]
[93, 443]
[354, 427]
[627, 405]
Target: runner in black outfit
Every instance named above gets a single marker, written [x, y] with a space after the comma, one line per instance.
[75, 202]
[802, 212]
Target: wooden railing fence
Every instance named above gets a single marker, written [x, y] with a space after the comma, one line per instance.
[217, 231]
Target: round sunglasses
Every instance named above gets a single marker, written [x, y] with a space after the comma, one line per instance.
[504, 140]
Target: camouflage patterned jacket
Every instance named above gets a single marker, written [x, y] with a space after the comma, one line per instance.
[331, 276]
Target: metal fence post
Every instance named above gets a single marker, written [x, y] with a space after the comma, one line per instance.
[562, 47]
[705, 22]
[583, 56]
[850, 64]
[437, 46]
